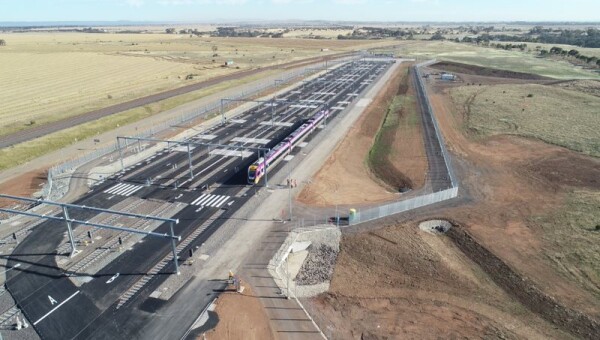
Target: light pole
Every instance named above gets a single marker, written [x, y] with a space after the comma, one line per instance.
[290, 189]
[287, 271]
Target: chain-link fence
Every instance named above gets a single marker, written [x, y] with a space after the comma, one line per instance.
[364, 215]
[373, 213]
[207, 111]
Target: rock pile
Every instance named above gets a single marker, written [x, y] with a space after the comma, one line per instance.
[318, 266]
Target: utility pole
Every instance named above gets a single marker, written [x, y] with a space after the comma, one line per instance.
[290, 189]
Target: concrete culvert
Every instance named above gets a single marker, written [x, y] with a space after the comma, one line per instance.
[435, 226]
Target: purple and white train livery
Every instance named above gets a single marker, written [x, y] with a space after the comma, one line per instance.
[275, 155]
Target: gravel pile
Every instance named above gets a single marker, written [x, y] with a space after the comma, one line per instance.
[318, 266]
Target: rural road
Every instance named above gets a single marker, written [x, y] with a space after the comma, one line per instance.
[103, 306]
[42, 130]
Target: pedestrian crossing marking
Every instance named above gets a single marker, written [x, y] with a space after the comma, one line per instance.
[123, 189]
[208, 200]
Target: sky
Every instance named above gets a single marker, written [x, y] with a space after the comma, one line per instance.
[344, 10]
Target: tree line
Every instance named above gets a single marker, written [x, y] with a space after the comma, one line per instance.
[581, 38]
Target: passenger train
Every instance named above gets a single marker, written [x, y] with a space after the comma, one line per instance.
[257, 170]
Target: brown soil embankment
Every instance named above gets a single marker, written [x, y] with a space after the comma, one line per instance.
[397, 157]
[524, 290]
[348, 177]
[453, 67]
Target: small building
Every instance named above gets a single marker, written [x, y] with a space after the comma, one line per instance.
[448, 77]
[229, 63]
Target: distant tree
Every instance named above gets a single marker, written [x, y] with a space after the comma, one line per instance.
[598, 62]
[556, 50]
[170, 30]
[543, 53]
[573, 53]
[2, 42]
[437, 36]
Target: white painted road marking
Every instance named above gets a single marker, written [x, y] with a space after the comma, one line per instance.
[207, 137]
[238, 121]
[123, 189]
[52, 301]
[209, 200]
[13, 267]
[114, 277]
[231, 153]
[278, 123]
[55, 308]
[251, 140]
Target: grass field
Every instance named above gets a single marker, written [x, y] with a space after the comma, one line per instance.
[572, 242]
[24, 152]
[494, 58]
[50, 76]
[552, 114]
[397, 156]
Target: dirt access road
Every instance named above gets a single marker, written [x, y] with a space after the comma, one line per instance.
[38, 131]
[429, 287]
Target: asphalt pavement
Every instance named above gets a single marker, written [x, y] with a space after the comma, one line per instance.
[58, 309]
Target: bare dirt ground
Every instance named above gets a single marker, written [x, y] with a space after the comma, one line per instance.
[484, 71]
[25, 185]
[346, 178]
[241, 316]
[398, 282]
[402, 283]
[397, 157]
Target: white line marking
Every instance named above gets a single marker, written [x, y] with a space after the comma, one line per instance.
[13, 267]
[55, 308]
[212, 200]
[129, 191]
[203, 200]
[207, 137]
[123, 189]
[109, 191]
[114, 277]
[207, 167]
[251, 140]
[231, 153]
[198, 199]
[116, 191]
[221, 201]
[278, 123]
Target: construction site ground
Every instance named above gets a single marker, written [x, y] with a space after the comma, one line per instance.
[28, 178]
[393, 280]
[241, 316]
[346, 179]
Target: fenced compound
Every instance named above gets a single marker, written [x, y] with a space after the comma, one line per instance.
[364, 215]
[373, 213]
[210, 110]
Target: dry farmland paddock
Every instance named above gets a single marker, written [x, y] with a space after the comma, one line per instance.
[50, 76]
[494, 58]
[552, 114]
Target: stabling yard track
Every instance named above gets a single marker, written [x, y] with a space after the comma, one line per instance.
[269, 132]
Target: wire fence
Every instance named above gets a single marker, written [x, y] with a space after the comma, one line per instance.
[373, 213]
[209, 110]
